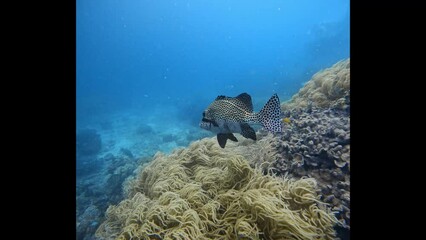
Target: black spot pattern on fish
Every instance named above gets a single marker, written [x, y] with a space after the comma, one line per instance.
[270, 115]
[227, 115]
[230, 109]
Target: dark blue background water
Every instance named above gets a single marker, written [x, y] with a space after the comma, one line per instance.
[142, 54]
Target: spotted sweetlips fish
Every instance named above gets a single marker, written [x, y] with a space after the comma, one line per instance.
[227, 115]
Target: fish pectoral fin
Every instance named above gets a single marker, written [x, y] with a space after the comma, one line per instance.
[223, 137]
[247, 131]
[232, 137]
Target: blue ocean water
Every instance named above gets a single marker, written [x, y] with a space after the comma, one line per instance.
[146, 69]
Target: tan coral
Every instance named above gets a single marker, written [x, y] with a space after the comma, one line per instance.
[327, 88]
[204, 192]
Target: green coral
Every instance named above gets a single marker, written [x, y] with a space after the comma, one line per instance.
[205, 192]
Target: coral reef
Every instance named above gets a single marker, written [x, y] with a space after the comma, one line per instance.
[294, 185]
[317, 144]
[87, 165]
[314, 143]
[316, 137]
[103, 188]
[205, 192]
[87, 222]
[327, 89]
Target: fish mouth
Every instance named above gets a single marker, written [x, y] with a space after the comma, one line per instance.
[212, 122]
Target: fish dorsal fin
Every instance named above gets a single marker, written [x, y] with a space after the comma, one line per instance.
[221, 97]
[246, 99]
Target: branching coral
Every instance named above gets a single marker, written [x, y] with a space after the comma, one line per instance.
[203, 192]
[327, 88]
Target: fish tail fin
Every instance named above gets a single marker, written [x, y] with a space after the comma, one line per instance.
[270, 115]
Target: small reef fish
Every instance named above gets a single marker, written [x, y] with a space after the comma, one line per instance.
[227, 115]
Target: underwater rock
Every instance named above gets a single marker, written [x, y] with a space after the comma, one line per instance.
[113, 186]
[169, 138]
[86, 165]
[102, 188]
[87, 223]
[127, 153]
[144, 129]
[88, 142]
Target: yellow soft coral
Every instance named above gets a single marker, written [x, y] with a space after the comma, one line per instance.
[327, 88]
[205, 192]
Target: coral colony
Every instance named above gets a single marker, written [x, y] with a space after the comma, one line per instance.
[204, 192]
[293, 185]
